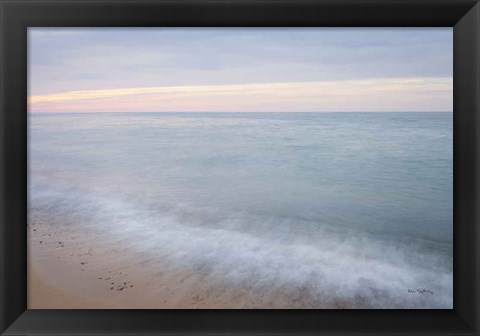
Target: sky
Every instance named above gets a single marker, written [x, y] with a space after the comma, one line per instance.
[240, 69]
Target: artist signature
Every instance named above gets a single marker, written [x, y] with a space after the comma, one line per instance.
[422, 291]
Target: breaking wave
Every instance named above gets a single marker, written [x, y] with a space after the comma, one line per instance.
[260, 251]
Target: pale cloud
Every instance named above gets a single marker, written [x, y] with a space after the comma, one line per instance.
[240, 69]
[77, 59]
[377, 94]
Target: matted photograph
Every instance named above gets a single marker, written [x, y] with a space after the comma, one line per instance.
[229, 168]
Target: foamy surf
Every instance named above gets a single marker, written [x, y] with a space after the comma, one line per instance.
[329, 266]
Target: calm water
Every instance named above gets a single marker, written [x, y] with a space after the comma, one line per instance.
[352, 205]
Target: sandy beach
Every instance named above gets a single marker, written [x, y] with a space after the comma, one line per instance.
[70, 270]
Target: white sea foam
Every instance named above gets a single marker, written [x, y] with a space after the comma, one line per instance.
[334, 266]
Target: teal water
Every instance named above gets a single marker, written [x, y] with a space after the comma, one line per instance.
[352, 205]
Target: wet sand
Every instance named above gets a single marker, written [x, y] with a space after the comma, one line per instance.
[70, 270]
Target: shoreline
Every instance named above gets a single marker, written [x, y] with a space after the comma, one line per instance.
[67, 270]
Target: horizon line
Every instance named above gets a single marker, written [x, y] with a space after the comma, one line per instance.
[249, 112]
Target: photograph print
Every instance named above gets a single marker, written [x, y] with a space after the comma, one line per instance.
[227, 168]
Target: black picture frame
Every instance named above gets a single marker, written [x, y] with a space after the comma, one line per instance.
[17, 15]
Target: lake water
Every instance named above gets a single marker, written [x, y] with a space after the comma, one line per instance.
[354, 206]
